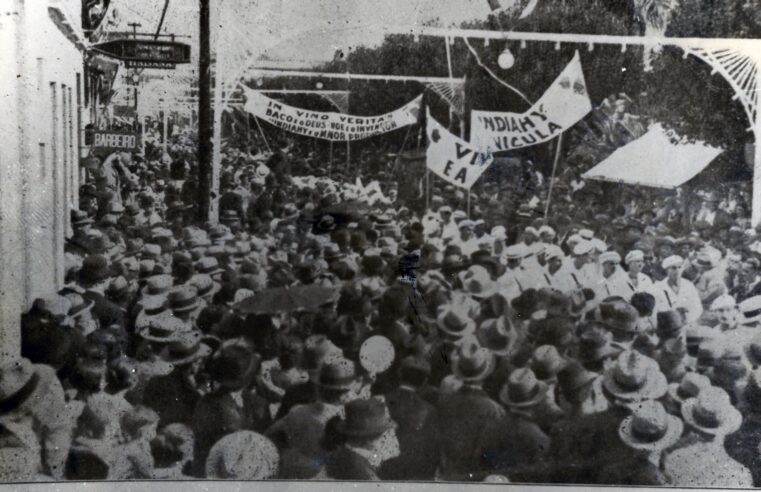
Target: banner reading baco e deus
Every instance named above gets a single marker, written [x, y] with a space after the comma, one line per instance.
[452, 158]
[329, 125]
[564, 104]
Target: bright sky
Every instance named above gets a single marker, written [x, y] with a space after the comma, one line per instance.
[303, 30]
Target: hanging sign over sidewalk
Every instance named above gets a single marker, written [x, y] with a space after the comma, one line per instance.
[110, 141]
[561, 107]
[329, 125]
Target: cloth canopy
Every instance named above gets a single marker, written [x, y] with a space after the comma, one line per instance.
[655, 160]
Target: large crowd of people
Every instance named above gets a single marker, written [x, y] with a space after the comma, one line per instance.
[328, 330]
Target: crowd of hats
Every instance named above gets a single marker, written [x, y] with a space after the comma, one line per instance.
[150, 291]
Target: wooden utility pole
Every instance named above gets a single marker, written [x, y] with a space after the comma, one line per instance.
[204, 116]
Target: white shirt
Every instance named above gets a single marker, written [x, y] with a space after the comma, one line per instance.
[513, 282]
[558, 281]
[615, 285]
[577, 278]
[644, 284]
[688, 298]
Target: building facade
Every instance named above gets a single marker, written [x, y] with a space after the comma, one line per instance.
[42, 95]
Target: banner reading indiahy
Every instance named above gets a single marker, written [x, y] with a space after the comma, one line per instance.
[452, 158]
[561, 107]
[329, 125]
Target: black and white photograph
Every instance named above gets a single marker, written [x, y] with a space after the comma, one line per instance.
[397, 241]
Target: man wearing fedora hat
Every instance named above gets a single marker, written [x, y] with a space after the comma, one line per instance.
[317, 418]
[231, 405]
[418, 424]
[701, 459]
[516, 441]
[95, 277]
[174, 396]
[32, 393]
[465, 415]
[371, 440]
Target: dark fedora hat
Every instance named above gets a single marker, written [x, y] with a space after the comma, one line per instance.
[233, 364]
[670, 324]
[472, 363]
[523, 389]
[595, 345]
[618, 315]
[95, 268]
[339, 374]
[573, 378]
[366, 418]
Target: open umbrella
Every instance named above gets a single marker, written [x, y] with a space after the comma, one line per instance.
[287, 300]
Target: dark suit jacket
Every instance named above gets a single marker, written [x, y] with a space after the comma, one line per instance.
[465, 421]
[217, 414]
[345, 464]
[106, 312]
[172, 398]
[417, 434]
[514, 442]
[581, 446]
[299, 394]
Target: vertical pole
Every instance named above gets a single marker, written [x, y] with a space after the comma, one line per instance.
[427, 188]
[468, 203]
[449, 67]
[216, 161]
[756, 205]
[330, 159]
[264, 136]
[141, 119]
[204, 116]
[552, 178]
[165, 124]
[78, 170]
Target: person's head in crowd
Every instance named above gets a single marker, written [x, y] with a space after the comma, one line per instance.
[337, 380]
[650, 430]
[665, 246]
[644, 303]
[635, 261]
[233, 365]
[140, 423]
[20, 452]
[725, 308]
[121, 375]
[554, 256]
[581, 253]
[673, 266]
[514, 255]
[243, 455]
[173, 446]
[710, 415]
[609, 261]
[369, 426]
[466, 230]
[632, 379]
[547, 234]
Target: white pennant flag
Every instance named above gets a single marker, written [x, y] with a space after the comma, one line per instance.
[452, 158]
[561, 107]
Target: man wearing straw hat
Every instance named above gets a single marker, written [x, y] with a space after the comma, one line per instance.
[647, 433]
[701, 460]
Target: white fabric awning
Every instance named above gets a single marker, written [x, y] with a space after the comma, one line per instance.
[654, 160]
